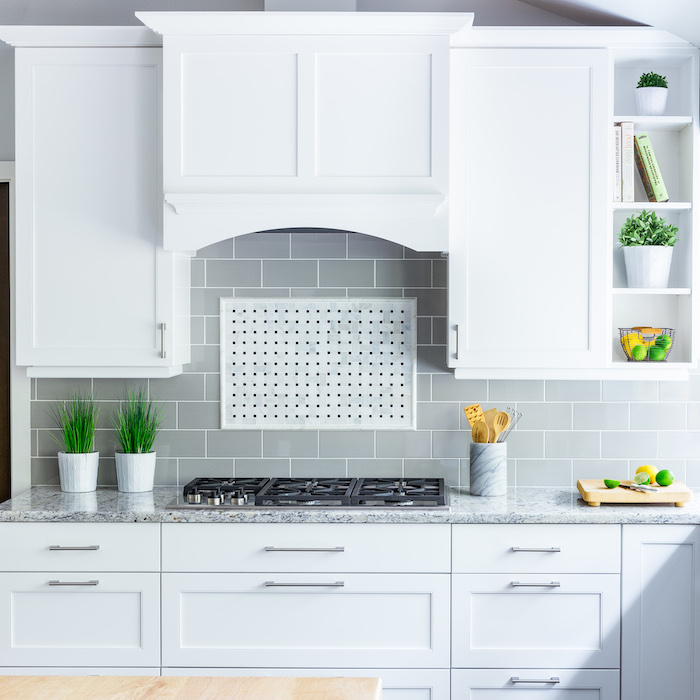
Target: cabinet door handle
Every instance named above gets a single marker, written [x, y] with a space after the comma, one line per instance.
[551, 584]
[304, 549]
[162, 341]
[335, 584]
[517, 679]
[61, 548]
[536, 549]
[457, 341]
[73, 583]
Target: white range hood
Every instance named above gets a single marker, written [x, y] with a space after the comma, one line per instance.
[334, 120]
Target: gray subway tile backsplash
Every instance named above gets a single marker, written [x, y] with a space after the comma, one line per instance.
[570, 429]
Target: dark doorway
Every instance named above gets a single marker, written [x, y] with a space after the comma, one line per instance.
[4, 341]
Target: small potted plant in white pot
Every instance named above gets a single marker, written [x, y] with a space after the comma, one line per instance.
[77, 462]
[136, 424]
[651, 94]
[647, 244]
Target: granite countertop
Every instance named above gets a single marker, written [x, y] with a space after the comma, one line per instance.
[521, 505]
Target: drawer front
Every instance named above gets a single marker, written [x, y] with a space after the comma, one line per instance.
[506, 620]
[79, 547]
[397, 684]
[318, 620]
[576, 549]
[113, 622]
[306, 547]
[514, 683]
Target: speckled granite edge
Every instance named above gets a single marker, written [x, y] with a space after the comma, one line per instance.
[521, 505]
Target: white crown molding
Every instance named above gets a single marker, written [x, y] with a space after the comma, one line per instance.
[27, 36]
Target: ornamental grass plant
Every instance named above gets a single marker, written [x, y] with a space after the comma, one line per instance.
[77, 420]
[137, 423]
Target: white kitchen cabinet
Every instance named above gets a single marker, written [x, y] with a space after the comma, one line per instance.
[660, 612]
[96, 293]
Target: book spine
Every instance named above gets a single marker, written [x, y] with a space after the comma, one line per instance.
[617, 164]
[648, 168]
[627, 140]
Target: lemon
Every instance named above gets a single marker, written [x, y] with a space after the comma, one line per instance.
[631, 341]
[664, 478]
[648, 469]
[611, 483]
[641, 478]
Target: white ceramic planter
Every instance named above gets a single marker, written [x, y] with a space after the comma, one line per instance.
[78, 471]
[651, 101]
[647, 265]
[135, 472]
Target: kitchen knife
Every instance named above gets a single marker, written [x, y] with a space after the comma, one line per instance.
[639, 487]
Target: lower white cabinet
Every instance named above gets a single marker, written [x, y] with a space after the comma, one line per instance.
[79, 619]
[299, 620]
[540, 684]
[397, 683]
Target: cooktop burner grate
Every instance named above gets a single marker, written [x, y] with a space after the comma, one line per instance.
[400, 492]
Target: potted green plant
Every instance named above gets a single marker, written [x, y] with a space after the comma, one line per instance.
[647, 244]
[651, 94]
[136, 424]
[76, 419]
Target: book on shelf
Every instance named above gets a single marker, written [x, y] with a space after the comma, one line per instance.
[617, 163]
[648, 167]
[627, 147]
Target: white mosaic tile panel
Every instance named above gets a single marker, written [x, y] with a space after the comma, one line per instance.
[318, 363]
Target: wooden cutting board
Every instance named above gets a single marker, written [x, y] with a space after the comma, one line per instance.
[187, 688]
[595, 492]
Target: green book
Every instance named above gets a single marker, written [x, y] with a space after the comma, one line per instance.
[648, 168]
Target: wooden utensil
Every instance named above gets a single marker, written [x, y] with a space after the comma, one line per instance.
[500, 423]
[489, 416]
[480, 432]
[474, 413]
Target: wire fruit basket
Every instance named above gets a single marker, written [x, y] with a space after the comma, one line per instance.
[646, 344]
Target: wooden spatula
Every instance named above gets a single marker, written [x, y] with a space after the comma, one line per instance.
[480, 432]
[474, 414]
[489, 417]
[500, 423]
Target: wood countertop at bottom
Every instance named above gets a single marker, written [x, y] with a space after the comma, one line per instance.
[187, 688]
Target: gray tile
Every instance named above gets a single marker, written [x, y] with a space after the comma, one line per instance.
[263, 467]
[572, 445]
[375, 293]
[234, 443]
[197, 330]
[692, 472]
[571, 390]
[438, 416]
[424, 330]
[543, 472]
[189, 469]
[117, 389]
[631, 444]
[205, 301]
[439, 273]
[321, 292]
[184, 387]
[450, 443]
[197, 272]
[447, 469]
[62, 388]
[271, 293]
[346, 273]
[467, 391]
[46, 443]
[166, 472]
[516, 390]
[439, 330]
[212, 387]
[212, 331]
[203, 358]
[600, 469]
[106, 443]
[629, 391]
[180, 443]
[404, 273]
[346, 443]
[379, 468]
[169, 421]
[432, 359]
[403, 443]
[431, 302]
[601, 416]
[44, 470]
[324, 468]
[270, 244]
[221, 249]
[199, 414]
[693, 416]
[290, 273]
[319, 244]
[234, 273]
[290, 443]
[545, 416]
[527, 444]
[678, 445]
[423, 255]
[658, 416]
[423, 384]
[362, 246]
[107, 472]
[42, 414]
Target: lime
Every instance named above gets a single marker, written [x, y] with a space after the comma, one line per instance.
[657, 354]
[664, 478]
[663, 341]
[639, 352]
[648, 469]
[640, 479]
[611, 483]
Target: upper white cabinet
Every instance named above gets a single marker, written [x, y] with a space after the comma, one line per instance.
[333, 120]
[96, 293]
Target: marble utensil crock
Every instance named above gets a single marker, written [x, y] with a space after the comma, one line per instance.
[488, 471]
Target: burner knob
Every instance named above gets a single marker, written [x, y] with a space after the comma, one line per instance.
[214, 499]
[238, 497]
[194, 497]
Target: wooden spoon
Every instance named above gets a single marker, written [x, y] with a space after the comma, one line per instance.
[489, 417]
[480, 432]
[500, 423]
[474, 413]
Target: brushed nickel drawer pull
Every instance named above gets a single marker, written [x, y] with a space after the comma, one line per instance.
[536, 549]
[61, 548]
[551, 584]
[73, 583]
[336, 584]
[457, 342]
[553, 679]
[304, 549]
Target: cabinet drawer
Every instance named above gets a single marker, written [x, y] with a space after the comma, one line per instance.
[536, 548]
[503, 620]
[514, 683]
[316, 620]
[79, 547]
[306, 547]
[92, 619]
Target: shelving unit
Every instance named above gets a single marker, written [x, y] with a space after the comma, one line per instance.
[675, 140]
